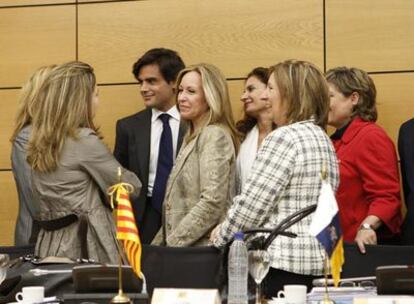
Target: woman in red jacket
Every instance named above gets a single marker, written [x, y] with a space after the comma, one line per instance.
[369, 191]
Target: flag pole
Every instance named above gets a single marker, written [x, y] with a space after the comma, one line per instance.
[120, 297]
[326, 299]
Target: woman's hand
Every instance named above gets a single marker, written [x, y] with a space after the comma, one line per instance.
[365, 236]
[214, 233]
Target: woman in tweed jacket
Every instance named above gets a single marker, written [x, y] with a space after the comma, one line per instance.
[285, 176]
[202, 182]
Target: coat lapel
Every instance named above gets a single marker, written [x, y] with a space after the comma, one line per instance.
[182, 157]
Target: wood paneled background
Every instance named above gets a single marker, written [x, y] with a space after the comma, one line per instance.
[376, 35]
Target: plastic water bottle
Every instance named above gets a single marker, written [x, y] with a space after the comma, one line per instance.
[238, 271]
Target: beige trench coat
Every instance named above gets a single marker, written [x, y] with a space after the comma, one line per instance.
[86, 169]
[199, 190]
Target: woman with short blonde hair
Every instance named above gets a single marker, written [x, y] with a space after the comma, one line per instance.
[303, 91]
[72, 169]
[285, 176]
[202, 181]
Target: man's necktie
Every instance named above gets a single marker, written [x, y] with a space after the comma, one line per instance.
[164, 164]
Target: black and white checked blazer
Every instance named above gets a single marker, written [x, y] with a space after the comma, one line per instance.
[285, 178]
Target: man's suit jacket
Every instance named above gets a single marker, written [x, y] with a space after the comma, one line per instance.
[132, 150]
[406, 150]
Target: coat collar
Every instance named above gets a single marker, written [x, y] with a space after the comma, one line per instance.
[173, 112]
[356, 125]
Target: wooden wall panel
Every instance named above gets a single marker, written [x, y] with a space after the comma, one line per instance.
[34, 36]
[8, 106]
[7, 3]
[235, 91]
[8, 208]
[375, 35]
[88, 1]
[395, 100]
[116, 102]
[233, 37]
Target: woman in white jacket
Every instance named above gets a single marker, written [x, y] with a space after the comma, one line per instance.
[256, 124]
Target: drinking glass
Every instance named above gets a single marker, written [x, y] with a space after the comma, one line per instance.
[259, 263]
[4, 261]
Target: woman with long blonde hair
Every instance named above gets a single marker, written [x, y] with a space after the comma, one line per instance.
[202, 182]
[72, 169]
[26, 230]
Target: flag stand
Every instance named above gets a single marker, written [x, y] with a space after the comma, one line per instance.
[326, 299]
[120, 297]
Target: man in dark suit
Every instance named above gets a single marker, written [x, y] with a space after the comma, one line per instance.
[406, 151]
[143, 137]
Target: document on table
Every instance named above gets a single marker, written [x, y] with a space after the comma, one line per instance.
[341, 295]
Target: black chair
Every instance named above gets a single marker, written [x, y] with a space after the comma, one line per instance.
[364, 265]
[200, 267]
[182, 267]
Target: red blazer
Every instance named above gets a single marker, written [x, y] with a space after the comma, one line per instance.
[369, 179]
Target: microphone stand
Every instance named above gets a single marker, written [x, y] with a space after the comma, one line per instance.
[282, 227]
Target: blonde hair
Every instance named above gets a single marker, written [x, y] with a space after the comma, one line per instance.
[64, 106]
[28, 99]
[217, 98]
[350, 80]
[304, 89]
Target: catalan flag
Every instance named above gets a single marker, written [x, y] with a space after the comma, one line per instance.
[326, 228]
[127, 230]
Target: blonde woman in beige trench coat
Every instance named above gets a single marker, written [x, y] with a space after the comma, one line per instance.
[72, 169]
[202, 182]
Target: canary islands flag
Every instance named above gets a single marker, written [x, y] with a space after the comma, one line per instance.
[326, 228]
[127, 230]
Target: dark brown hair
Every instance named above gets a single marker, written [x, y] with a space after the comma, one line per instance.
[168, 61]
[247, 123]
